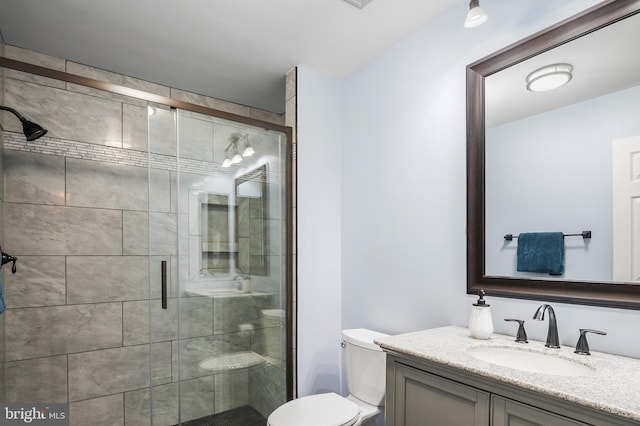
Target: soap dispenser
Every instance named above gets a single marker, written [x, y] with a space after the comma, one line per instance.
[480, 323]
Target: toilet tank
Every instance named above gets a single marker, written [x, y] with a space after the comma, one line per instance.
[364, 365]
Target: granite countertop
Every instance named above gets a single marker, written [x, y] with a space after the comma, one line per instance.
[614, 387]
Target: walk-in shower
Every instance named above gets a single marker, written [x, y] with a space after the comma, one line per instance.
[154, 281]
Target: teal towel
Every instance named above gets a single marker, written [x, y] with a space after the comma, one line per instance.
[541, 252]
[2, 305]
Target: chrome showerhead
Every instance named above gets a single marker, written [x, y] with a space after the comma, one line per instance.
[31, 130]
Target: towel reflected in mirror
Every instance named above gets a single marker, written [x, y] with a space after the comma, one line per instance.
[541, 252]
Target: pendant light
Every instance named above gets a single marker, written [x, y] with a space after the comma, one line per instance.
[476, 16]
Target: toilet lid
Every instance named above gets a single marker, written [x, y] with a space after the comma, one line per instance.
[325, 409]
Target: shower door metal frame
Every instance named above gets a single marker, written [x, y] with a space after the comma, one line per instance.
[163, 100]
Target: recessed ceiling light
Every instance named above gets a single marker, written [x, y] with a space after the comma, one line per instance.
[358, 3]
[549, 77]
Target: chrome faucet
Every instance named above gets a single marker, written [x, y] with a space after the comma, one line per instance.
[552, 334]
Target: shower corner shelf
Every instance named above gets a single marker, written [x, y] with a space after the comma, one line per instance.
[232, 362]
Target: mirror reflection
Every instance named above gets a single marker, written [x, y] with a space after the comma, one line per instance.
[568, 160]
[231, 228]
[215, 215]
[251, 196]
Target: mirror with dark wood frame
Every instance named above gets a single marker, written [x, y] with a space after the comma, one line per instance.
[583, 290]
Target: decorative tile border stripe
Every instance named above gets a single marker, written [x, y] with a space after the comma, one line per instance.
[74, 149]
[108, 154]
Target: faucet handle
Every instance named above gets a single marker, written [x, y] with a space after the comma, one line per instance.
[582, 347]
[521, 336]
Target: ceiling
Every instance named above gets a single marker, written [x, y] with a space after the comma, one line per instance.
[604, 61]
[235, 50]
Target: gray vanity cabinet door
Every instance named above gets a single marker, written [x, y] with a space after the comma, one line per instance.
[506, 412]
[423, 399]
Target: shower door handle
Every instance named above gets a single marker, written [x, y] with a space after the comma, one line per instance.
[163, 265]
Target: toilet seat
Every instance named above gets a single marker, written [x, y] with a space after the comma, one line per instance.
[325, 409]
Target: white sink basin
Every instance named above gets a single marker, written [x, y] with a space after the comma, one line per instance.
[533, 362]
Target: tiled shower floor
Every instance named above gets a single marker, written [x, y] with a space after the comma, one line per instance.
[242, 416]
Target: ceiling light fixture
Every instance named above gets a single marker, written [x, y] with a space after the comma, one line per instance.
[476, 16]
[549, 77]
[358, 3]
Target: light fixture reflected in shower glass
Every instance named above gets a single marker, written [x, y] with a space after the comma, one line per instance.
[549, 77]
[248, 149]
[237, 143]
[227, 158]
[476, 16]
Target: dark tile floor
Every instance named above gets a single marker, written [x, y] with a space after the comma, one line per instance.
[242, 416]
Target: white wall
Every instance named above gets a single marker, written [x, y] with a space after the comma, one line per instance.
[319, 252]
[403, 204]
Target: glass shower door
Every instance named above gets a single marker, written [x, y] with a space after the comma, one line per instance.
[217, 227]
[164, 306]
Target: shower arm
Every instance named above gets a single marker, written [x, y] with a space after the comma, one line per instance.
[14, 112]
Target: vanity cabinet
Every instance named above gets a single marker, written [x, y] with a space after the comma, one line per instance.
[425, 399]
[507, 412]
[425, 393]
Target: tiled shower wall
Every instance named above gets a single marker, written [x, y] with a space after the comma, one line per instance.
[76, 216]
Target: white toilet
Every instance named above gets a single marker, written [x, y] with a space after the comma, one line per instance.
[273, 327]
[364, 366]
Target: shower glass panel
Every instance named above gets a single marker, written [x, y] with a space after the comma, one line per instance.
[217, 227]
[164, 309]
